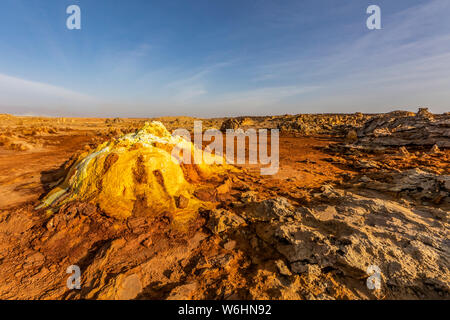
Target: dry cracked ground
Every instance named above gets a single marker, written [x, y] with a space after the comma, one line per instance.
[352, 191]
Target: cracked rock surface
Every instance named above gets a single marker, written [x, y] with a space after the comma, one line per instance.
[355, 194]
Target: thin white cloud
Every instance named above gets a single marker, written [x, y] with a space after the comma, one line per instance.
[261, 101]
[406, 63]
[262, 96]
[17, 94]
[185, 89]
[188, 93]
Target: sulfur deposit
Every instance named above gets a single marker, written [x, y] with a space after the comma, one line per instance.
[136, 174]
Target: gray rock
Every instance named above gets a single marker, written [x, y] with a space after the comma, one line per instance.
[221, 220]
[390, 129]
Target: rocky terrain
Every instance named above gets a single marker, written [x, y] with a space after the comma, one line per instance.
[354, 193]
[423, 129]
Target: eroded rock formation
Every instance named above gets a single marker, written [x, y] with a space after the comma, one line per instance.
[423, 129]
[135, 174]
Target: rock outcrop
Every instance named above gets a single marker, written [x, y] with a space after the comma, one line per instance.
[231, 124]
[414, 183]
[348, 233]
[135, 174]
[237, 123]
[311, 124]
[423, 129]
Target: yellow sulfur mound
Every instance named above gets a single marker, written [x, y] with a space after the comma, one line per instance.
[136, 174]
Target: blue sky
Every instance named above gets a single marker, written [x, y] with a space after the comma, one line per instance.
[221, 58]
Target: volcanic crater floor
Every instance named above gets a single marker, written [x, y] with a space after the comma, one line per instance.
[308, 232]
